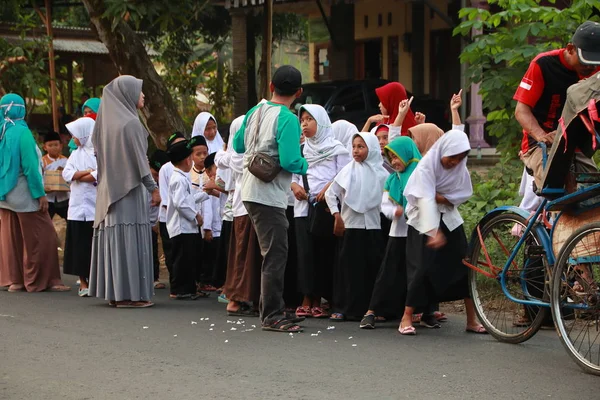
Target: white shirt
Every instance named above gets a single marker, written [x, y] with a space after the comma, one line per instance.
[235, 162]
[56, 197]
[164, 176]
[182, 205]
[352, 219]
[82, 201]
[399, 226]
[318, 176]
[205, 207]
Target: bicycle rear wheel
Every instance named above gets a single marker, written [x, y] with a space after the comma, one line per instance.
[576, 297]
[507, 320]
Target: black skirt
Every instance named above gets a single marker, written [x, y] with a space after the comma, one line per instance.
[436, 275]
[291, 294]
[78, 248]
[221, 269]
[359, 261]
[315, 261]
[389, 293]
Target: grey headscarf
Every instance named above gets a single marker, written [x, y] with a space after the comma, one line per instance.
[121, 143]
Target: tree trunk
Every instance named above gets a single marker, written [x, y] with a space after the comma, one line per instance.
[128, 53]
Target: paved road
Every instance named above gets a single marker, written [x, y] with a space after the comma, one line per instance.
[58, 346]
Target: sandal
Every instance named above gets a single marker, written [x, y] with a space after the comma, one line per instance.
[243, 311]
[134, 304]
[283, 325]
[112, 303]
[58, 288]
[293, 317]
[159, 285]
[337, 317]
[207, 288]
[317, 312]
[407, 330]
[303, 311]
[416, 318]
[479, 329]
[16, 288]
[380, 319]
[440, 316]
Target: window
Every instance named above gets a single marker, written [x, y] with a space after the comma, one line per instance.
[351, 98]
[366, 21]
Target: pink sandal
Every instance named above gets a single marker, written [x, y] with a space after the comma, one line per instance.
[407, 330]
[317, 312]
[303, 311]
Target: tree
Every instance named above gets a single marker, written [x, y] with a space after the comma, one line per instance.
[130, 57]
[513, 34]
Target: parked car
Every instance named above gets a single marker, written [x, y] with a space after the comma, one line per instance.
[356, 101]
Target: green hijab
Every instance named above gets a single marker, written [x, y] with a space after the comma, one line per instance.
[406, 150]
[12, 126]
[93, 104]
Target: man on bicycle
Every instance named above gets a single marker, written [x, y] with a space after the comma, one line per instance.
[542, 93]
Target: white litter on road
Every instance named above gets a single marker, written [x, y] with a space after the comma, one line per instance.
[330, 328]
[144, 327]
[354, 345]
[227, 341]
[174, 335]
[350, 338]
[194, 323]
[234, 329]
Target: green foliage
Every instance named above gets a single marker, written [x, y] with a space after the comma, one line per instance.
[28, 79]
[511, 38]
[498, 187]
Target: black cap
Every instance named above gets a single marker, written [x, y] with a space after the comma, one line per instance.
[51, 136]
[179, 151]
[287, 80]
[587, 41]
[173, 137]
[158, 159]
[198, 141]
[209, 161]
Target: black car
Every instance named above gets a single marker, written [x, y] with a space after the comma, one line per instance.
[356, 101]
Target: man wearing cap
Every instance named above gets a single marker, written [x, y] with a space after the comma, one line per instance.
[542, 93]
[278, 135]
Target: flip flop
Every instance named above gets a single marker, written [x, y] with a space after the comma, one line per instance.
[16, 288]
[337, 317]
[58, 288]
[242, 312]
[407, 330]
[480, 330]
[159, 285]
[283, 325]
[135, 304]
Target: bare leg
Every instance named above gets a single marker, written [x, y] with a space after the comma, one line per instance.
[407, 317]
[472, 321]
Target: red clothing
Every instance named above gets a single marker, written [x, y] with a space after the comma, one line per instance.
[544, 89]
[390, 96]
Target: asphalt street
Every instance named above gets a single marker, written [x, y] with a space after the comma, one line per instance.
[59, 346]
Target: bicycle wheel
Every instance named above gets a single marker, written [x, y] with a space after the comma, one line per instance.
[507, 320]
[576, 297]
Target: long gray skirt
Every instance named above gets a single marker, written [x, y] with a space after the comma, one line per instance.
[122, 264]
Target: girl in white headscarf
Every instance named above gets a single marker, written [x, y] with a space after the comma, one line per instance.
[80, 172]
[358, 188]
[326, 157]
[206, 125]
[343, 132]
[436, 243]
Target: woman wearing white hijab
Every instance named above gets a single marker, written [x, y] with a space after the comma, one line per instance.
[343, 131]
[81, 172]
[122, 267]
[436, 241]
[358, 188]
[326, 157]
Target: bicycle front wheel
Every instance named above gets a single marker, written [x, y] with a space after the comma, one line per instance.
[505, 319]
[576, 297]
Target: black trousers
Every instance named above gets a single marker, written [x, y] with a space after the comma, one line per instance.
[184, 253]
[167, 248]
[220, 274]
[389, 293]
[61, 208]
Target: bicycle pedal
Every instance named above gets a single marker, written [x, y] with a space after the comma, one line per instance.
[535, 251]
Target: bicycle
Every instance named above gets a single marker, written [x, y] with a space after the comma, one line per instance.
[523, 266]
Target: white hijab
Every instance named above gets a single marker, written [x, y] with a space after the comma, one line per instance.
[83, 157]
[323, 144]
[430, 177]
[200, 126]
[343, 131]
[363, 181]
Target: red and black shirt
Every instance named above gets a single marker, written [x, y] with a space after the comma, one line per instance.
[544, 89]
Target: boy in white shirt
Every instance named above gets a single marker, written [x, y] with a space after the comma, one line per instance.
[183, 220]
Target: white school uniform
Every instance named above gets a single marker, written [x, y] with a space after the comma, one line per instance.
[205, 207]
[399, 227]
[430, 177]
[164, 176]
[358, 187]
[182, 205]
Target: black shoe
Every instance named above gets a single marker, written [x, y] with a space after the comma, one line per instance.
[368, 322]
[429, 321]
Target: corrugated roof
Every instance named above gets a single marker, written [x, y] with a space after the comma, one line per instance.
[251, 3]
[85, 46]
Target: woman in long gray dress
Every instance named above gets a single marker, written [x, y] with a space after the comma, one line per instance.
[122, 265]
